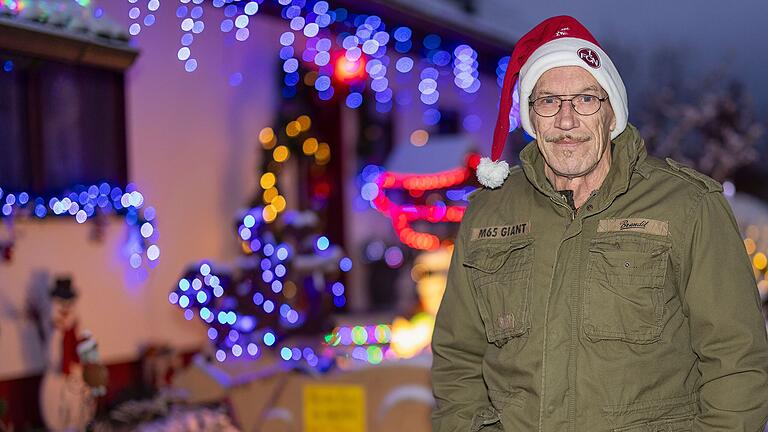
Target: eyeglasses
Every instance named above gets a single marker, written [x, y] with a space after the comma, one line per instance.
[583, 104]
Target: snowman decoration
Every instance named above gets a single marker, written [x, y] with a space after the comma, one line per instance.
[74, 377]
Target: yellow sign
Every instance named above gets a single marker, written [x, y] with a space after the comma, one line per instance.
[334, 408]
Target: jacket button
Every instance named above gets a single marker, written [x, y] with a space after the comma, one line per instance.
[550, 408]
[589, 207]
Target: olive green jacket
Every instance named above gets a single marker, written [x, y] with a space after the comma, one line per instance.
[639, 312]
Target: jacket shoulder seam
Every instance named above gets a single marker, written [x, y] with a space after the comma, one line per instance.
[669, 170]
[697, 200]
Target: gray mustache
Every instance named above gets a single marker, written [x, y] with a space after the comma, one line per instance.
[577, 138]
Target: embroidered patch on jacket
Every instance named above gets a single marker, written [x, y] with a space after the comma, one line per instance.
[506, 321]
[503, 231]
[649, 226]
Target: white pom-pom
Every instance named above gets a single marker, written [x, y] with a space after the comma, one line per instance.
[492, 174]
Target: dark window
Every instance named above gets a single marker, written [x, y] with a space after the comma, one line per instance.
[60, 125]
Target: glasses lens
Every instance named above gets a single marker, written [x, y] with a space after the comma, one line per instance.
[586, 104]
[547, 106]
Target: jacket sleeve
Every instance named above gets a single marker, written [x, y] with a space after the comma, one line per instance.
[727, 330]
[458, 346]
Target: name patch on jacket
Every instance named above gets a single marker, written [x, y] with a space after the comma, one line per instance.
[649, 226]
[503, 231]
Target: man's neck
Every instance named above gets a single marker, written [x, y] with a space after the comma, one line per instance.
[583, 186]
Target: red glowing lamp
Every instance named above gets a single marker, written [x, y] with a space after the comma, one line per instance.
[348, 71]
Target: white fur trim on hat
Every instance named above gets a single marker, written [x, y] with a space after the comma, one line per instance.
[86, 345]
[565, 52]
[492, 174]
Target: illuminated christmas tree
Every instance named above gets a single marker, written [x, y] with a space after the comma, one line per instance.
[288, 281]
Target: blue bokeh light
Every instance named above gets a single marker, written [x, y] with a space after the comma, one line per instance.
[269, 339]
[322, 243]
[345, 264]
[286, 353]
[354, 100]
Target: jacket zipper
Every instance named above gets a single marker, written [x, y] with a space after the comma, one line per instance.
[564, 204]
[542, 401]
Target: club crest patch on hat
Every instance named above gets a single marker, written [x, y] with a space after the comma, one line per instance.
[589, 57]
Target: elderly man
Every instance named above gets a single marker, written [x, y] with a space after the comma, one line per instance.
[594, 288]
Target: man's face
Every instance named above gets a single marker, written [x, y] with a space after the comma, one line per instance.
[572, 144]
[63, 313]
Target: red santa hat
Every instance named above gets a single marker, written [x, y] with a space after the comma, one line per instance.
[557, 41]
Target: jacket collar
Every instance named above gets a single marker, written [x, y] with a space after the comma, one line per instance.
[628, 151]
